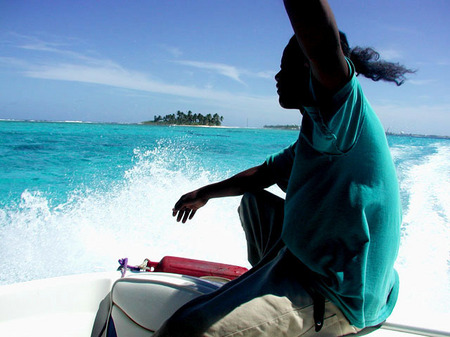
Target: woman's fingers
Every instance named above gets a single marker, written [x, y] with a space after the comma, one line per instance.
[180, 215]
[184, 214]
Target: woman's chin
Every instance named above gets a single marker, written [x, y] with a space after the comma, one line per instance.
[285, 104]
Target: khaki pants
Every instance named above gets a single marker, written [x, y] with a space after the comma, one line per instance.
[269, 300]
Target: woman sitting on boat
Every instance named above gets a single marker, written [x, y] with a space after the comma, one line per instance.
[323, 259]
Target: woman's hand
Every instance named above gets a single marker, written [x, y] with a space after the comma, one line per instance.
[253, 179]
[188, 204]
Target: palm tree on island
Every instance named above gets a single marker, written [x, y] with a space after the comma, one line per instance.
[181, 118]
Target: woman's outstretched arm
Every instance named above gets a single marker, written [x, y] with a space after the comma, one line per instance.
[317, 33]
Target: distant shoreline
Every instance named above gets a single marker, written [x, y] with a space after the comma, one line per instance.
[415, 135]
[275, 127]
[282, 127]
[401, 134]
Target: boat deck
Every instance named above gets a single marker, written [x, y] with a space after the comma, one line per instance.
[67, 306]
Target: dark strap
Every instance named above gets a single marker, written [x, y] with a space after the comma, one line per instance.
[306, 279]
[101, 319]
[319, 310]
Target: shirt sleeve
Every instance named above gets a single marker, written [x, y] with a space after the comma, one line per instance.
[340, 133]
[280, 165]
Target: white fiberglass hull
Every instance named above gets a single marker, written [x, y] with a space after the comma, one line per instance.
[63, 306]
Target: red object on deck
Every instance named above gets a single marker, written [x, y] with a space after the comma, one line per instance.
[198, 268]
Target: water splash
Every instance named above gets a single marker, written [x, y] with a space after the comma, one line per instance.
[132, 217]
[423, 262]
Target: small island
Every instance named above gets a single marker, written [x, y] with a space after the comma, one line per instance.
[189, 118]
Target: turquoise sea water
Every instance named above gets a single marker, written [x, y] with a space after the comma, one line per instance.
[76, 197]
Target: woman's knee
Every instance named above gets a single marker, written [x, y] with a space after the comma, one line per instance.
[248, 201]
[259, 203]
[247, 198]
[256, 199]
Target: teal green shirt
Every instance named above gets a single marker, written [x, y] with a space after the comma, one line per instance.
[342, 209]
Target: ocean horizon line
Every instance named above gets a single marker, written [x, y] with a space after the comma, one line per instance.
[265, 127]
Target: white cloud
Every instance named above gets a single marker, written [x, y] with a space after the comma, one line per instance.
[78, 67]
[422, 82]
[443, 62]
[61, 49]
[220, 68]
[112, 75]
[390, 54]
[39, 45]
[403, 29]
[174, 51]
[13, 62]
[228, 70]
[106, 72]
[265, 74]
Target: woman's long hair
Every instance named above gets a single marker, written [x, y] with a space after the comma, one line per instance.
[367, 63]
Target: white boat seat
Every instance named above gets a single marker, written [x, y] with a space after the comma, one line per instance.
[139, 304]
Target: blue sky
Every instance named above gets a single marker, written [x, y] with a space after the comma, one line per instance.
[126, 61]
